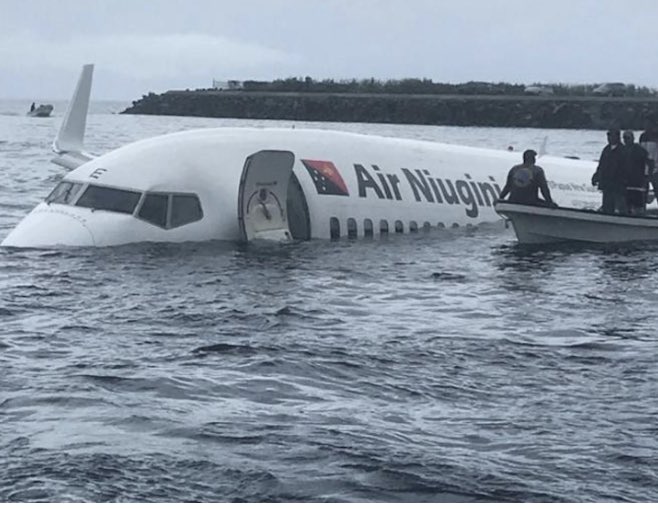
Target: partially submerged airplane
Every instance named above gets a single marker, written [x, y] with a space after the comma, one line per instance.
[274, 184]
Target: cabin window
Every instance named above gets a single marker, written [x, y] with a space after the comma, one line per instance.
[351, 228]
[413, 227]
[154, 209]
[107, 198]
[455, 225]
[399, 227]
[383, 227]
[185, 209]
[334, 228]
[367, 228]
[427, 226]
[65, 192]
[440, 226]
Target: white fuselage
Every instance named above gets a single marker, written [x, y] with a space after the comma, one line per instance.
[387, 182]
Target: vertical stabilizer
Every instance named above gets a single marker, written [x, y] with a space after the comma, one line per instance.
[71, 133]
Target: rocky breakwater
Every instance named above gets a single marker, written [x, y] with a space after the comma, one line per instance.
[423, 109]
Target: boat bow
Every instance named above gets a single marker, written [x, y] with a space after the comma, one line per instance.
[536, 224]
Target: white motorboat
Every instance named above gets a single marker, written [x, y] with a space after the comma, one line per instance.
[43, 110]
[536, 224]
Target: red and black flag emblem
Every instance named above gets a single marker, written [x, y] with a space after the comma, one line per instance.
[326, 177]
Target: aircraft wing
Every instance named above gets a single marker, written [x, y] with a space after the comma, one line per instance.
[71, 160]
[69, 142]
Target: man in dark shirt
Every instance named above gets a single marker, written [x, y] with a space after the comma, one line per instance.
[525, 180]
[609, 175]
[636, 163]
[649, 142]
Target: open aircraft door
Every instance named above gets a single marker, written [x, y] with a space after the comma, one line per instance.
[262, 197]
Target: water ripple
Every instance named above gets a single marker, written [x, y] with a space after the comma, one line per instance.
[450, 367]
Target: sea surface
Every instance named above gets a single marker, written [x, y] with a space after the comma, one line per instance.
[447, 367]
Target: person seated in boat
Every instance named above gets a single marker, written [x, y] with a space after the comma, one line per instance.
[525, 180]
[610, 177]
[636, 163]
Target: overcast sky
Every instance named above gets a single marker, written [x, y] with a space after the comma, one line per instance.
[142, 46]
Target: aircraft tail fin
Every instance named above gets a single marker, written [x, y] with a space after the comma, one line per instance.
[69, 141]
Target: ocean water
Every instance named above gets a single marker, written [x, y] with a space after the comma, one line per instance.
[453, 366]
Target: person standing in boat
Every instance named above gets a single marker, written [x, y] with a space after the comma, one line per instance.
[636, 163]
[32, 108]
[649, 142]
[525, 180]
[609, 175]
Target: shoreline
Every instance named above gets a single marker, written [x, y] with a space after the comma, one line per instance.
[561, 112]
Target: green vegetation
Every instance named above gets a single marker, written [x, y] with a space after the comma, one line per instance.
[422, 86]
[414, 101]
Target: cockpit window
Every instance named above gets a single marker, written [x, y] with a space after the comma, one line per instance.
[170, 210]
[185, 208]
[65, 192]
[107, 198]
[154, 209]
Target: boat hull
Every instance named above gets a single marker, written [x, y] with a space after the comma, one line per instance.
[44, 110]
[536, 225]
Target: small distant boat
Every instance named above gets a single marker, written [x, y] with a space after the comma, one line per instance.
[43, 110]
[535, 225]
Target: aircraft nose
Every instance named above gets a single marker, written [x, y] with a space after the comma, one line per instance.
[45, 228]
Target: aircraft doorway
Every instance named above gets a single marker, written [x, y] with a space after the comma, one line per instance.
[271, 203]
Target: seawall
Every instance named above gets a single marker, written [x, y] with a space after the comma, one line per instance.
[422, 109]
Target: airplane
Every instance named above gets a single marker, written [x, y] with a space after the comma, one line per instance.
[276, 184]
